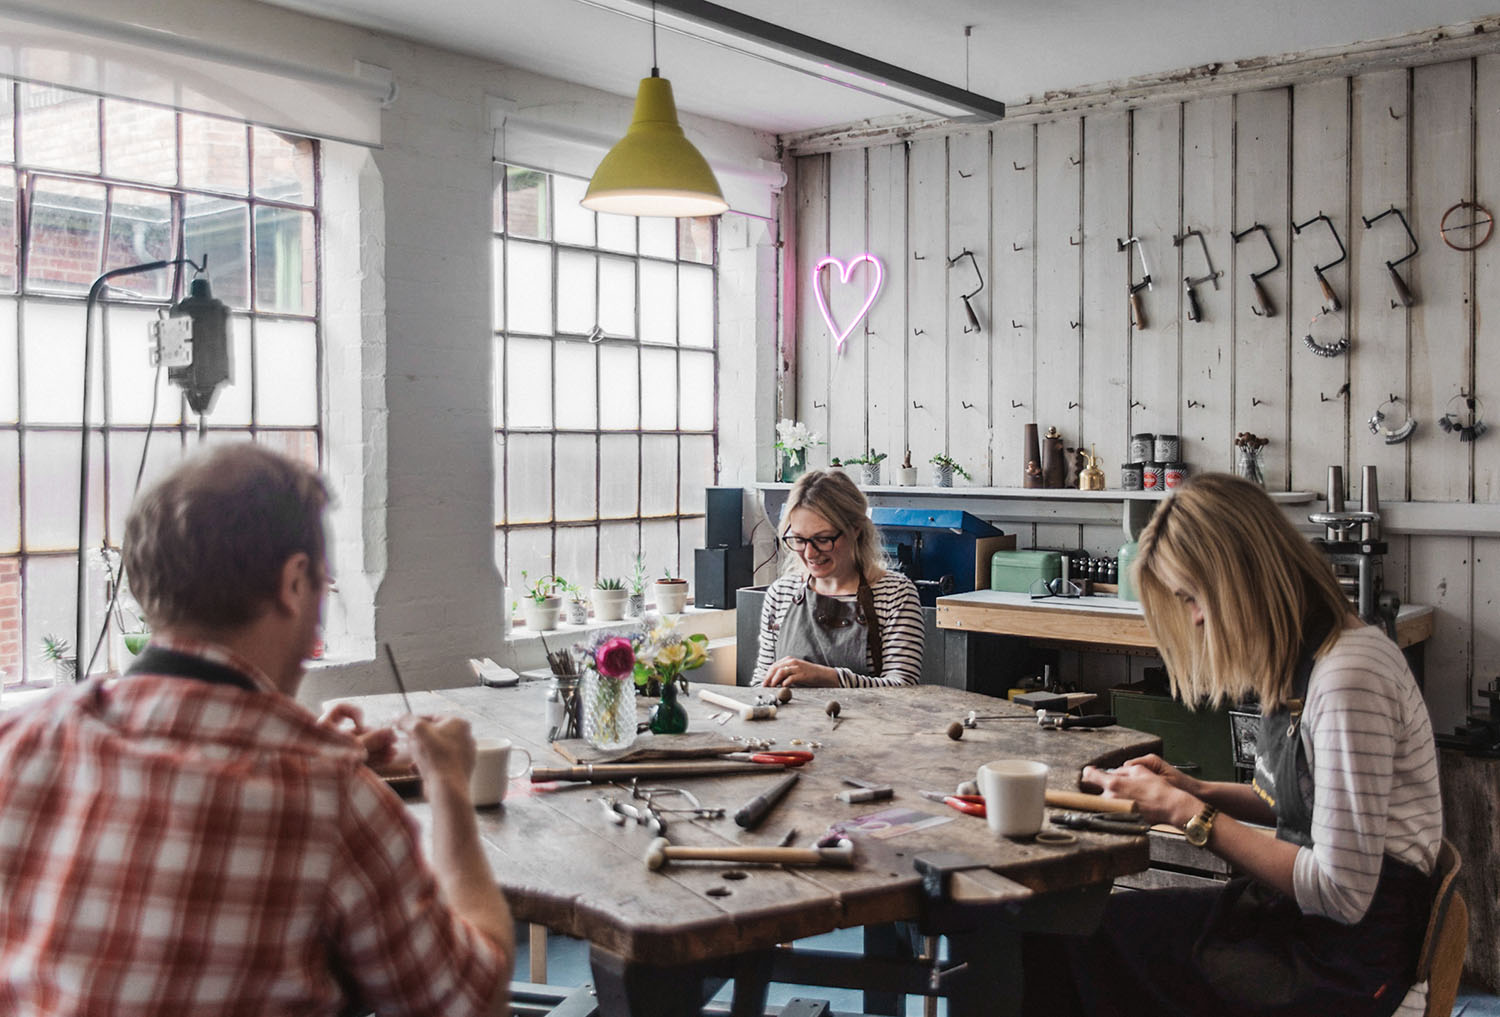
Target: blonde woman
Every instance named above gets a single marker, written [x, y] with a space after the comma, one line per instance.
[837, 618]
[1330, 914]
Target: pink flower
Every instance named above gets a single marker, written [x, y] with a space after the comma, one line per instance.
[615, 658]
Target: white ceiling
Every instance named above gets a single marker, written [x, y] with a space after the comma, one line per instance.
[1018, 49]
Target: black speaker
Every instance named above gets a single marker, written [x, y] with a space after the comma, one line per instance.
[718, 572]
[723, 526]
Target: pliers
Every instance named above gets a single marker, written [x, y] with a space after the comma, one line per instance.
[1103, 822]
[969, 805]
[787, 758]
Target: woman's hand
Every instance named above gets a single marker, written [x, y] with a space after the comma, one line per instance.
[1169, 773]
[796, 671]
[1156, 797]
[379, 744]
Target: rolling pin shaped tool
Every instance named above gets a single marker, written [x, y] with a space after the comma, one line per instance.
[744, 711]
[1137, 310]
[753, 811]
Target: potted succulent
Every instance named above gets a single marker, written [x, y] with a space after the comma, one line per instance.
[908, 471]
[635, 604]
[608, 596]
[58, 653]
[671, 593]
[943, 469]
[575, 601]
[542, 603]
[869, 467]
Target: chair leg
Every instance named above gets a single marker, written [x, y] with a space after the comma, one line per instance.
[537, 940]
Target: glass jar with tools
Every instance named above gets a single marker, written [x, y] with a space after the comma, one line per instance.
[562, 708]
[1248, 452]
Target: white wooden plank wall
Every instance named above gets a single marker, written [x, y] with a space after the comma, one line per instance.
[1042, 205]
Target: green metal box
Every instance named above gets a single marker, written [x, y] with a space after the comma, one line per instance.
[1196, 741]
[1015, 571]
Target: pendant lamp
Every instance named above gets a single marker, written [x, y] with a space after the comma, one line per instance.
[655, 170]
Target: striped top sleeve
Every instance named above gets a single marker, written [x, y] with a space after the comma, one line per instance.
[898, 612]
[1374, 767]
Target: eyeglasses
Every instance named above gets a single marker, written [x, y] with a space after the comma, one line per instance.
[1055, 588]
[822, 542]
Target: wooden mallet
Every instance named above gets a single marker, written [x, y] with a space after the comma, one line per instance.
[840, 852]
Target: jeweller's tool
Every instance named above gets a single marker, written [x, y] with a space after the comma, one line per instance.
[969, 805]
[1453, 420]
[866, 794]
[390, 655]
[1137, 311]
[753, 811]
[1403, 292]
[696, 808]
[1394, 434]
[1052, 721]
[1334, 304]
[1131, 824]
[1263, 305]
[647, 817]
[744, 711]
[790, 757]
[603, 773]
[1191, 282]
[1337, 348]
[973, 325]
[1470, 231]
[838, 851]
[1077, 800]
[787, 838]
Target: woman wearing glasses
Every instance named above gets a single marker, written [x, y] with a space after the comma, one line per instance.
[1330, 914]
[837, 618]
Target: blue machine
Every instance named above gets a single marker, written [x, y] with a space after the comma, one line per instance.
[933, 548]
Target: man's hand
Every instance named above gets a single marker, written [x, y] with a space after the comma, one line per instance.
[379, 744]
[796, 671]
[441, 747]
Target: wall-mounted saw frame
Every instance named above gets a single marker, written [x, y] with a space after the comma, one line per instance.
[1403, 292]
[1191, 282]
[973, 325]
[1263, 305]
[1137, 308]
[1334, 303]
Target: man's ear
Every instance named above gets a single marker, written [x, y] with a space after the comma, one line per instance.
[295, 577]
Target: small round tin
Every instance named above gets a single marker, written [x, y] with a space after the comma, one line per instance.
[1156, 477]
[1168, 448]
[1132, 476]
[1142, 447]
[1176, 475]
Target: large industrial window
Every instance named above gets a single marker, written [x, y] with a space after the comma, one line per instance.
[606, 364]
[87, 185]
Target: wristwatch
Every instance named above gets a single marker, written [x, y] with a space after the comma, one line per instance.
[1199, 827]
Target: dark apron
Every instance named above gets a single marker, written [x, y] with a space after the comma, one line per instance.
[160, 660]
[1246, 949]
[832, 631]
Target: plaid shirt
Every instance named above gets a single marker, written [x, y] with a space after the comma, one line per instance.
[174, 847]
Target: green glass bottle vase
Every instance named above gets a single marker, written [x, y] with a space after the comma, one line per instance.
[668, 716]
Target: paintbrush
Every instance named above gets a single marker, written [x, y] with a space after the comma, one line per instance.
[560, 662]
[390, 655]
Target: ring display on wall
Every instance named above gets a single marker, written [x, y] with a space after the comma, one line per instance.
[1466, 232]
[1465, 417]
[1393, 433]
[1333, 349]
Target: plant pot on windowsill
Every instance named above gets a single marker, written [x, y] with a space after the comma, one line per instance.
[908, 476]
[541, 615]
[609, 605]
[671, 596]
[578, 611]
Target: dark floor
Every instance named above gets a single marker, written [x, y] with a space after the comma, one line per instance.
[568, 965]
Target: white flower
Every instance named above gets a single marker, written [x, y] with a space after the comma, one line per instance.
[794, 436]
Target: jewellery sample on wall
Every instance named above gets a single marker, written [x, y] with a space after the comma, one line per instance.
[1392, 433]
[1337, 348]
[1465, 417]
[1467, 233]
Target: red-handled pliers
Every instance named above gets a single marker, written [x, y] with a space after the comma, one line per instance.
[969, 805]
[787, 758]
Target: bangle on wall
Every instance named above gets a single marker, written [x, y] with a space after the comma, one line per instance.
[1393, 433]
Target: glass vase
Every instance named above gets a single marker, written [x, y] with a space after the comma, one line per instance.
[608, 711]
[668, 717]
[1247, 463]
[793, 464]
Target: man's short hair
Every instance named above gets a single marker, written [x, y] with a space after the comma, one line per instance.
[206, 545]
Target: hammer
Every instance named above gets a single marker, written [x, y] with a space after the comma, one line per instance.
[838, 852]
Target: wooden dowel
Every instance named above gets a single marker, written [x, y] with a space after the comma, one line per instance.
[1087, 802]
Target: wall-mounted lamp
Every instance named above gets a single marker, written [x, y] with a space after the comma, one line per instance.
[973, 325]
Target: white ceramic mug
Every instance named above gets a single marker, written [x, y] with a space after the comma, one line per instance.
[492, 773]
[1015, 796]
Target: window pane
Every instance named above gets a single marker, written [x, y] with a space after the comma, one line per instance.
[497, 382]
[575, 555]
[231, 404]
[7, 120]
[697, 391]
[530, 550]
[619, 387]
[576, 409]
[140, 142]
[497, 291]
[164, 452]
[528, 477]
[50, 609]
[299, 445]
[528, 383]
[140, 230]
[696, 306]
[285, 261]
[659, 544]
[497, 500]
[619, 475]
[51, 509]
[283, 166]
[9, 364]
[214, 154]
[659, 237]
[617, 297]
[59, 128]
[67, 234]
[658, 475]
[7, 224]
[10, 515]
[52, 338]
[219, 229]
[574, 223]
[286, 373]
[659, 390]
[577, 305]
[658, 302]
[528, 306]
[575, 476]
[617, 546]
[526, 193]
[697, 471]
[617, 232]
[695, 239]
[131, 375]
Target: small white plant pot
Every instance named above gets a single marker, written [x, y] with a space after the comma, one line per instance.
[942, 476]
[635, 605]
[869, 475]
[541, 615]
[609, 605]
[578, 611]
[671, 595]
[908, 476]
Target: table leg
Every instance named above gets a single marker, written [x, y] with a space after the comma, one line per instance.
[636, 989]
[891, 940]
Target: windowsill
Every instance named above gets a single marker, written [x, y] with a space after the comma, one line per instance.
[16, 698]
[709, 621]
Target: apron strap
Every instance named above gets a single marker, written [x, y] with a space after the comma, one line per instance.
[866, 600]
[160, 660]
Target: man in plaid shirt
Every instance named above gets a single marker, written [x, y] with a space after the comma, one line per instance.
[189, 841]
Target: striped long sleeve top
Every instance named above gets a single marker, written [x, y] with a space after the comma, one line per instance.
[898, 612]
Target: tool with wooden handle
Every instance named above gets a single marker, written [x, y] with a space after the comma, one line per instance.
[1137, 310]
[1334, 304]
[603, 773]
[744, 711]
[1088, 803]
[1263, 305]
[1403, 292]
[840, 852]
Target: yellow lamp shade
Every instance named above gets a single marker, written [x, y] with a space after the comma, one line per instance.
[655, 170]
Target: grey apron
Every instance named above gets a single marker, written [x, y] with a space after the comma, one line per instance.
[833, 631]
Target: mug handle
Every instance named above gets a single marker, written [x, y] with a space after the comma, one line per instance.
[522, 771]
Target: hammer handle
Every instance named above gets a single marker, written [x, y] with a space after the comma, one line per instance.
[745, 711]
[1334, 304]
[1088, 803]
[774, 855]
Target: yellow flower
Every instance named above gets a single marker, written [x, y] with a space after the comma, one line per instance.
[671, 656]
[697, 654]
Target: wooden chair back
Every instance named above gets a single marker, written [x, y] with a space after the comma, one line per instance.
[1441, 962]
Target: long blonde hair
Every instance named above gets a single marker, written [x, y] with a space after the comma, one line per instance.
[1263, 589]
[832, 495]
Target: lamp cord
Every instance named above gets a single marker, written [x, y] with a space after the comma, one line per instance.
[655, 69]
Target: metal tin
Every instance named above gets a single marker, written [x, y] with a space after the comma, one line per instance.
[1132, 476]
[1168, 448]
[1156, 477]
[1142, 447]
[1176, 475]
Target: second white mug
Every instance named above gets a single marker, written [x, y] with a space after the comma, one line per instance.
[492, 773]
[1015, 796]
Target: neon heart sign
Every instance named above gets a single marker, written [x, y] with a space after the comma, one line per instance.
[840, 336]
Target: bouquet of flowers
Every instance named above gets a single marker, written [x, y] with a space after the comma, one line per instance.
[662, 654]
[655, 657]
[793, 439]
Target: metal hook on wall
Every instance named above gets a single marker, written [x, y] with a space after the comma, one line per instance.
[1016, 406]
[966, 405]
[1195, 404]
[819, 406]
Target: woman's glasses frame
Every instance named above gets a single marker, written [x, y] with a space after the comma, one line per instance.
[797, 543]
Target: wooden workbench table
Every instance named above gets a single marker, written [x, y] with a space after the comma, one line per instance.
[661, 941]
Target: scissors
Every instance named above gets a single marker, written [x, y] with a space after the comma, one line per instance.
[969, 805]
[789, 757]
[1103, 822]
